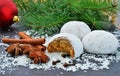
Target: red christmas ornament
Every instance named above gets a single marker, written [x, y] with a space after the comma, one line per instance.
[8, 13]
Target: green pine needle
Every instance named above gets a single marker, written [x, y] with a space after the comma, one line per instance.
[48, 16]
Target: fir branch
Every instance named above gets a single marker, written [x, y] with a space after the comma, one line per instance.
[48, 16]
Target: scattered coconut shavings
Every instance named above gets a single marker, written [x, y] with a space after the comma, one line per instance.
[87, 61]
[21, 60]
[2, 44]
[6, 64]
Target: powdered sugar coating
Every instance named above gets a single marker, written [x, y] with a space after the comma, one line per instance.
[100, 42]
[74, 40]
[78, 28]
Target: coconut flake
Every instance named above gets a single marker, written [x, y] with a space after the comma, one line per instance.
[21, 60]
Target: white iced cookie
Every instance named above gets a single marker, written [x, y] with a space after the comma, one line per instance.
[78, 28]
[100, 42]
[67, 43]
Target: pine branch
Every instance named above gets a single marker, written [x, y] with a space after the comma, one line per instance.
[48, 16]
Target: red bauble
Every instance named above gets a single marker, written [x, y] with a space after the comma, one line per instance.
[8, 11]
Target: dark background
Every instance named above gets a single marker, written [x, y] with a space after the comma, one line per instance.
[25, 71]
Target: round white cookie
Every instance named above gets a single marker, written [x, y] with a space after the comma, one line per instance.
[78, 28]
[65, 42]
[100, 42]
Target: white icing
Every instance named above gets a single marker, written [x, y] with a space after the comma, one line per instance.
[74, 40]
[78, 28]
[100, 42]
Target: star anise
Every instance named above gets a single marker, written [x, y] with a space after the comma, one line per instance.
[27, 48]
[14, 49]
[38, 57]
